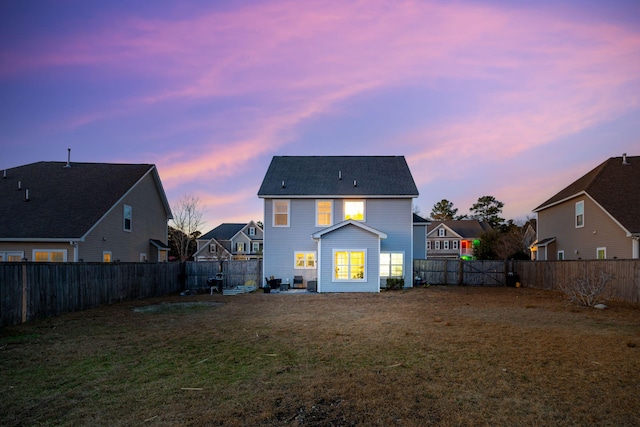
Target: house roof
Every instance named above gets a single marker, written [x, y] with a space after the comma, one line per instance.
[465, 228]
[224, 231]
[349, 222]
[345, 176]
[614, 185]
[417, 219]
[64, 202]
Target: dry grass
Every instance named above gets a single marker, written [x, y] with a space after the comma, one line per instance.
[439, 356]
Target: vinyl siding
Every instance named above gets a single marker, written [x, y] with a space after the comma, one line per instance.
[599, 231]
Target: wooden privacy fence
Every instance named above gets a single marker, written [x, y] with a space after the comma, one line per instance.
[235, 272]
[460, 272]
[625, 273]
[33, 290]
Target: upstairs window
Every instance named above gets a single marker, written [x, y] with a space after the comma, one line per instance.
[324, 213]
[252, 231]
[580, 214]
[454, 244]
[354, 209]
[281, 213]
[441, 232]
[127, 215]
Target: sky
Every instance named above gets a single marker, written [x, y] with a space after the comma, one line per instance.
[513, 99]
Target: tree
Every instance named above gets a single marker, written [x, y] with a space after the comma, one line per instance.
[488, 209]
[443, 211]
[187, 221]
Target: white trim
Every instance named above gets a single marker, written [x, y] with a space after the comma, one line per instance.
[6, 254]
[603, 249]
[273, 213]
[403, 253]
[124, 218]
[364, 209]
[349, 251]
[559, 254]
[305, 253]
[318, 234]
[575, 214]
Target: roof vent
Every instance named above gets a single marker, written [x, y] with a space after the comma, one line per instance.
[4, 174]
[283, 186]
[19, 185]
[339, 175]
[26, 195]
[624, 159]
[68, 165]
[355, 183]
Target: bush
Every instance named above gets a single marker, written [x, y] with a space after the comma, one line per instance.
[589, 289]
[395, 283]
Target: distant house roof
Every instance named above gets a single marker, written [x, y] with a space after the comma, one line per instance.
[224, 231]
[417, 219]
[64, 202]
[614, 185]
[327, 176]
[465, 228]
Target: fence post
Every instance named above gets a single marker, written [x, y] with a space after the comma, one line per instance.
[460, 272]
[24, 292]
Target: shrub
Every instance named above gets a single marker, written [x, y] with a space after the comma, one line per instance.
[590, 288]
[395, 283]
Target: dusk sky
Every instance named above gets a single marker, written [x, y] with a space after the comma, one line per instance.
[514, 99]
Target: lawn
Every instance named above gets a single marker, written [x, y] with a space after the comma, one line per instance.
[447, 356]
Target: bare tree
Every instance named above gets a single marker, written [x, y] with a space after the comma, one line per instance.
[590, 288]
[187, 221]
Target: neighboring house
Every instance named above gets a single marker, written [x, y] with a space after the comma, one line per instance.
[338, 223]
[420, 237]
[596, 217]
[230, 241]
[91, 212]
[454, 238]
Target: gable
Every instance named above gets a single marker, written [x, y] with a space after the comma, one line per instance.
[338, 176]
[65, 202]
[614, 185]
[349, 223]
[464, 228]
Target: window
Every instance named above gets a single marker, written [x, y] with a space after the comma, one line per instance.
[213, 248]
[428, 244]
[454, 244]
[305, 260]
[11, 256]
[391, 264]
[127, 214]
[580, 214]
[446, 244]
[441, 232]
[601, 253]
[560, 255]
[255, 247]
[143, 257]
[324, 213]
[354, 209]
[252, 231]
[280, 213]
[46, 255]
[349, 266]
[437, 245]
[240, 246]
[106, 256]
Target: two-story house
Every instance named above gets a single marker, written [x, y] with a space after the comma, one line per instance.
[91, 212]
[238, 241]
[595, 217]
[343, 221]
[454, 238]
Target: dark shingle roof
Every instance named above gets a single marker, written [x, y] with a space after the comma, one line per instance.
[374, 176]
[614, 186]
[64, 203]
[466, 228]
[223, 232]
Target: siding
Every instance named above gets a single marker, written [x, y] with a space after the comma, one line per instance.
[599, 231]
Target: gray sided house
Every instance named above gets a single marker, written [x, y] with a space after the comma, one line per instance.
[454, 238]
[341, 223]
[240, 241]
[91, 212]
[595, 217]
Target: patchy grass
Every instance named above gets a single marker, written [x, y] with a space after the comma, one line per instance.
[446, 356]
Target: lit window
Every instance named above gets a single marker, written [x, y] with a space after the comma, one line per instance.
[49, 255]
[106, 256]
[240, 247]
[392, 264]
[305, 260]
[601, 253]
[280, 213]
[580, 214]
[127, 214]
[349, 266]
[354, 209]
[11, 256]
[324, 215]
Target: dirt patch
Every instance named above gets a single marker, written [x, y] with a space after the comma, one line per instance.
[446, 356]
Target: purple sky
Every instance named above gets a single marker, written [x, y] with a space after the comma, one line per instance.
[512, 99]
